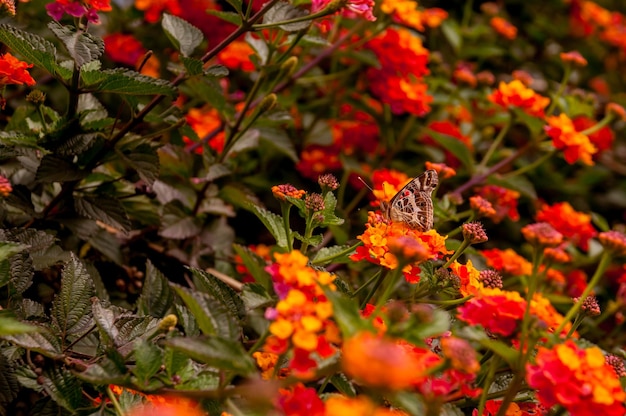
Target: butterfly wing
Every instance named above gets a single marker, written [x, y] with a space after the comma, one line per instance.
[413, 204]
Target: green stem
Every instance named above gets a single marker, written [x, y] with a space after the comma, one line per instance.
[530, 166]
[308, 231]
[532, 287]
[259, 342]
[285, 207]
[465, 244]
[340, 253]
[495, 144]
[491, 374]
[396, 274]
[559, 92]
[379, 279]
[366, 284]
[606, 120]
[605, 261]
[116, 404]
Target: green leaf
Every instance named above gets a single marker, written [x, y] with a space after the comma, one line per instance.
[341, 383]
[63, 387]
[32, 48]
[255, 265]
[7, 249]
[212, 316]
[454, 146]
[346, 313]
[56, 169]
[156, 295]
[82, 46]
[9, 386]
[11, 326]
[126, 82]
[192, 66]
[103, 373]
[22, 272]
[283, 11]
[43, 341]
[256, 296]
[278, 139]
[208, 89]
[185, 36]
[534, 124]
[229, 17]
[452, 33]
[177, 224]
[148, 360]
[409, 402]
[236, 5]
[219, 353]
[107, 210]
[217, 71]
[260, 47]
[75, 145]
[42, 249]
[105, 321]
[334, 254]
[145, 160]
[207, 283]
[71, 307]
[330, 203]
[272, 222]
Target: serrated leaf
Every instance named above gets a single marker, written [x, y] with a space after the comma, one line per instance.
[177, 225]
[134, 327]
[145, 160]
[333, 254]
[192, 66]
[107, 210]
[18, 139]
[82, 46]
[8, 249]
[254, 264]
[9, 386]
[42, 249]
[454, 146]
[212, 316]
[126, 82]
[63, 387]
[229, 17]
[219, 353]
[56, 169]
[341, 383]
[208, 90]
[272, 222]
[22, 272]
[75, 145]
[148, 360]
[156, 296]
[283, 11]
[328, 213]
[34, 49]
[71, 307]
[103, 373]
[216, 71]
[185, 36]
[208, 283]
[42, 341]
[105, 321]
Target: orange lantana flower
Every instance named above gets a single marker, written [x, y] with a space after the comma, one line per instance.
[577, 379]
[13, 71]
[498, 311]
[503, 27]
[575, 145]
[516, 94]
[575, 226]
[507, 261]
[381, 362]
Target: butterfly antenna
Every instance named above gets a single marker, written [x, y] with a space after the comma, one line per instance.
[365, 183]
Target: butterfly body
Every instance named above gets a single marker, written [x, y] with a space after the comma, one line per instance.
[413, 204]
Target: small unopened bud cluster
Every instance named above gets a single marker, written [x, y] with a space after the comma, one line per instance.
[542, 234]
[328, 182]
[557, 255]
[287, 189]
[617, 364]
[482, 207]
[590, 306]
[447, 279]
[613, 241]
[314, 202]
[474, 232]
[491, 279]
[36, 97]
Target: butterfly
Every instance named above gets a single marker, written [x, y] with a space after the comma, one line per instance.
[413, 205]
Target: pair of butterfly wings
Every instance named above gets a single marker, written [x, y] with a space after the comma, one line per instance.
[413, 205]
